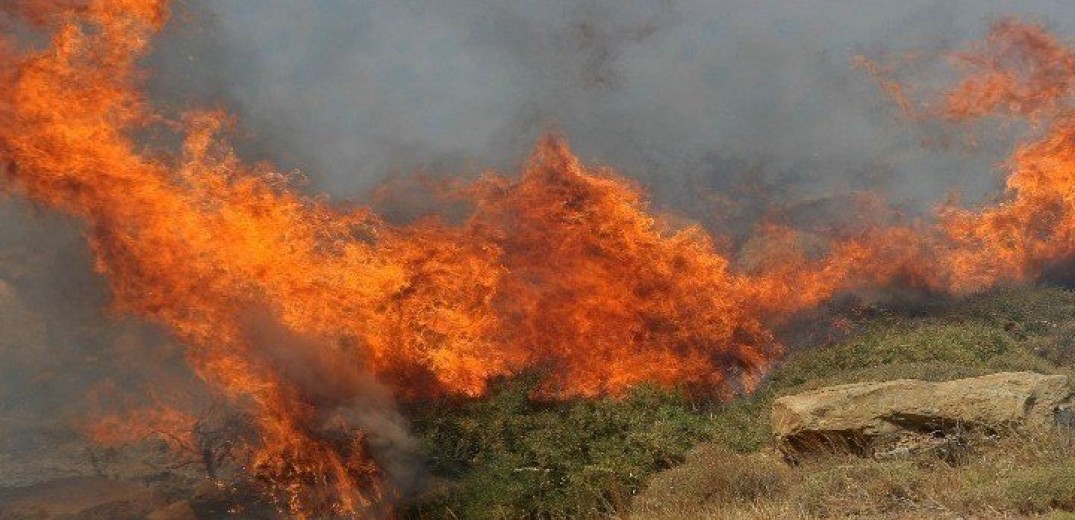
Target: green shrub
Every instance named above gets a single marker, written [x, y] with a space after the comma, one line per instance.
[921, 349]
[513, 457]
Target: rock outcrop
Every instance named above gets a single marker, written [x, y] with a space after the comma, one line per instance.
[877, 419]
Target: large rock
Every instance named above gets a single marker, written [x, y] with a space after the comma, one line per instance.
[875, 418]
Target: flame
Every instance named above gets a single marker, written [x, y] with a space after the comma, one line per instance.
[562, 269]
[1020, 70]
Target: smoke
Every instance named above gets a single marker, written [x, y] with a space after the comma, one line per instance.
[691, 98]
[345, 395]
[60, 344]
[59, 337]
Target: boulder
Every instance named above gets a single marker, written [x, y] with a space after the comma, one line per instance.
[876, 418]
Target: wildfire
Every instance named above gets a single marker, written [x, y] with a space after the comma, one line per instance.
[561, 269]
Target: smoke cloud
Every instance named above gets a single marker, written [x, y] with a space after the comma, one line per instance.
[689, 97]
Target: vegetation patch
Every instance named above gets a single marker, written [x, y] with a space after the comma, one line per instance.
[508, 456]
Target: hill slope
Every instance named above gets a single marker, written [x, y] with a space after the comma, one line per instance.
[659, 455]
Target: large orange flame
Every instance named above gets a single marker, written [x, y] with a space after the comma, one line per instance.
[561, 269]
[1021, 70]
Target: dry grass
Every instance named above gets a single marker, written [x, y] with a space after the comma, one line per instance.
[714, 476]
[1020, 475]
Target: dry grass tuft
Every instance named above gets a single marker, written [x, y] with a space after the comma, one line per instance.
[712, 476]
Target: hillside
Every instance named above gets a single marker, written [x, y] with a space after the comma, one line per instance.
[659, 455]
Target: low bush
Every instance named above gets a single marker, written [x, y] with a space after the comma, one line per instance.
[508, 456]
